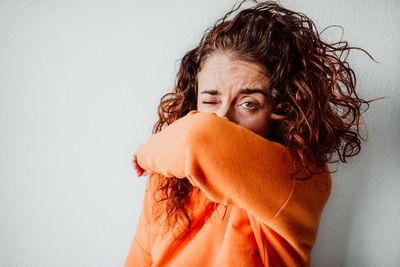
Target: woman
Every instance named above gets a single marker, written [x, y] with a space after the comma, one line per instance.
[239, 176]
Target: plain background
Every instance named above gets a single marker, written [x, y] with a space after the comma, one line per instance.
[80, 82]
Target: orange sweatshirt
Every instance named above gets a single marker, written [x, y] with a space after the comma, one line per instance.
[264, 218]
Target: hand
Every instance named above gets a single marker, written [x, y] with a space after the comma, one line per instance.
[139, 170]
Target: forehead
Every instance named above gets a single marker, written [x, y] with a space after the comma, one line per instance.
[223, 70]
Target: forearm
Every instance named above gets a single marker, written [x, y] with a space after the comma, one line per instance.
[229, 163]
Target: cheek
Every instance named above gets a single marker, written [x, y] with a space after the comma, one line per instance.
[259, 123]
[201, 107]
[198, 106]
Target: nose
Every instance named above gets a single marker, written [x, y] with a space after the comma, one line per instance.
[225, 110]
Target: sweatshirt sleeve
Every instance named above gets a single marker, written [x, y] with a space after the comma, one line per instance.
[140, 250]
[229, 163]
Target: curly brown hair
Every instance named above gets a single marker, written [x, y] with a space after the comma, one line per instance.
[317, 111]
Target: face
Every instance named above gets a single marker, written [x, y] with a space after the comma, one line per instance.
[237, 90]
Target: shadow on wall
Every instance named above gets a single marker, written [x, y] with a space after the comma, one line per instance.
[338, 220]
[352, 232]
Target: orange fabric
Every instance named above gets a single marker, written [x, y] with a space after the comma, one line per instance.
[263, 218]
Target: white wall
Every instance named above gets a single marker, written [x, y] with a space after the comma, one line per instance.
[79, 85]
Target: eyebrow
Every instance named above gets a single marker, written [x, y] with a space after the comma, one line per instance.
[245, 91]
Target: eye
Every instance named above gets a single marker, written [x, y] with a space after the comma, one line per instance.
[249, 105]
[209, 102]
